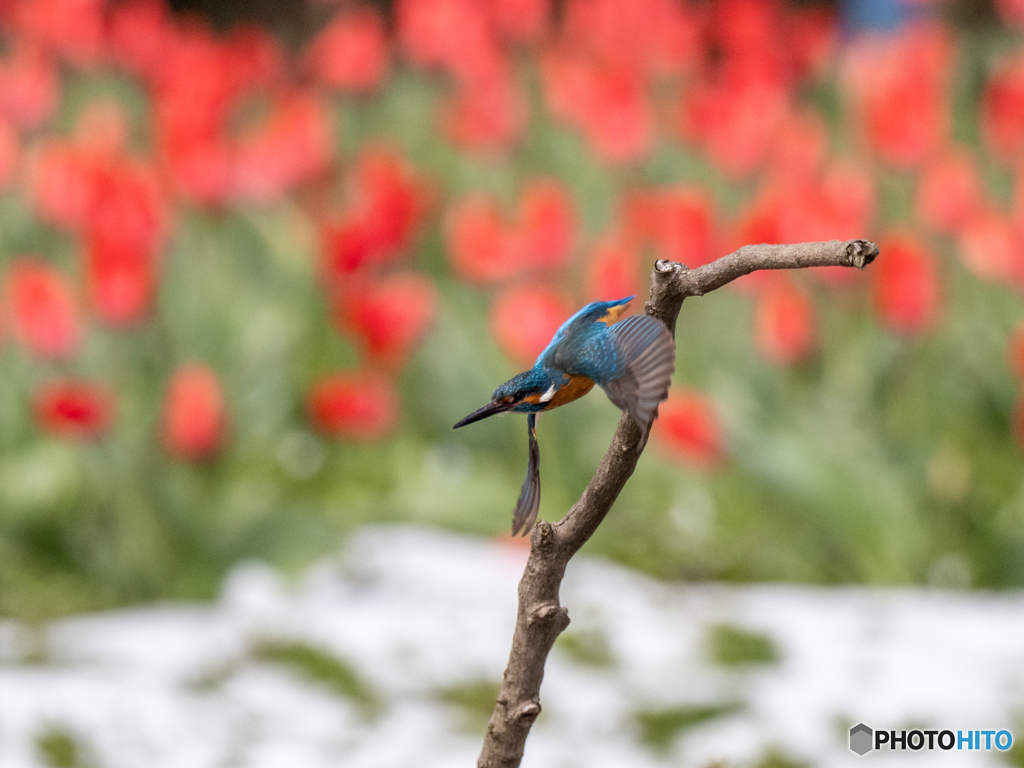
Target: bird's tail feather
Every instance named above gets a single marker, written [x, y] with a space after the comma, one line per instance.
[525, 514]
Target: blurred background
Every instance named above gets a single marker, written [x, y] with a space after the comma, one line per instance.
[257, 258]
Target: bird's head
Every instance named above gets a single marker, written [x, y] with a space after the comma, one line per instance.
[523, 393]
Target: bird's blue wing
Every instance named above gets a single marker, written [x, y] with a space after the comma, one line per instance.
[592, 317]
[646, 356]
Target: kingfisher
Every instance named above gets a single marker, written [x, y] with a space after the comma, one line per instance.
[631, 360]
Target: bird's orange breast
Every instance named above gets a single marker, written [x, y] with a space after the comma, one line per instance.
[577, 387]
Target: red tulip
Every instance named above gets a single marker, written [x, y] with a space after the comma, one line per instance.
[43, 309]
[361, 406]
[385, 203]
[193, 421]
[389, 315]
[75, 409]
[388, 194]
[72, 30]
[652, 37]
[905, 285]
[9, 151]
[425, 29]
[785, 327]
[138, 34]
[1015, 352]
[486, 113]
[29, 87]
[736, 117]
[520, 21]
[990, 246]
[949, 191]
[1002, 108]
[900, 91]
[689, 430]
[523, 320]
[120, 278]
[479, 248]
[800, 145]
[62, 185]
[547, 223]
[684, 227]
[351, 53]
[613, 271]
[293, 145]
[1011, 12]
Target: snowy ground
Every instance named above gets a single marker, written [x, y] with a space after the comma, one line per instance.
[387, 655]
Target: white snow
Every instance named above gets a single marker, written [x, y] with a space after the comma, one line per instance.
[415, 611]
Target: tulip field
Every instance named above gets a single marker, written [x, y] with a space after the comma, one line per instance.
[246, 288]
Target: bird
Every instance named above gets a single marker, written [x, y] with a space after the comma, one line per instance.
[632, 360]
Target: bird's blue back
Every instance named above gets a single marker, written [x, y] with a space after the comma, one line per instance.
[582, 346]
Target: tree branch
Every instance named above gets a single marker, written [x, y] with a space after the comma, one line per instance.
[541, 618]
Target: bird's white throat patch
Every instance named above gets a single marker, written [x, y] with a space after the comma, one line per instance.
[548, 395]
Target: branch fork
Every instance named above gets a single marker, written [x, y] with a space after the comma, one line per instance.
[541, 618]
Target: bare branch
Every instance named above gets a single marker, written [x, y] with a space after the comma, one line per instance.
[541, 618]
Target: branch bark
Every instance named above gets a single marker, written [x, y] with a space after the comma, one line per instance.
[541, 618]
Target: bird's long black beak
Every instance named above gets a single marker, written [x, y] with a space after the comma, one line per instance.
[488, 410]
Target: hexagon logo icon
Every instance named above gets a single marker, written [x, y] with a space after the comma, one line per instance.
[860, 739]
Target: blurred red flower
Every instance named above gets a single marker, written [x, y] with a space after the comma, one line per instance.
[9, 152]
[1011, 12]
[360, 406]
[425, 30]
[74, 408]
[990, 246]
[899, 87]
[294, 144]
[138, 33]
[650, 37]
[1002, 108]
[800, 145]
[29, 86]
[479, 248]
[120, 278]
[486, 113]
[608, 102]
[905, 285]
[43, 311]
[519, 21]
[949, 190]
[689, 430]
[684, 225]
[385, 203]
[547, 223]
[1015, 352]
[390, 315]
[351, 53]
[72, 30]
[524, 319]
[613, 270]
[785, 325]
[193, 421]
[61, 184]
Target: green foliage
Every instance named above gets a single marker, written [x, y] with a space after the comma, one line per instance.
[59, 749]
[475, 699]
[587, 647]
[659, 728]
[776, 759]
[322, 668]
[731, 646]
